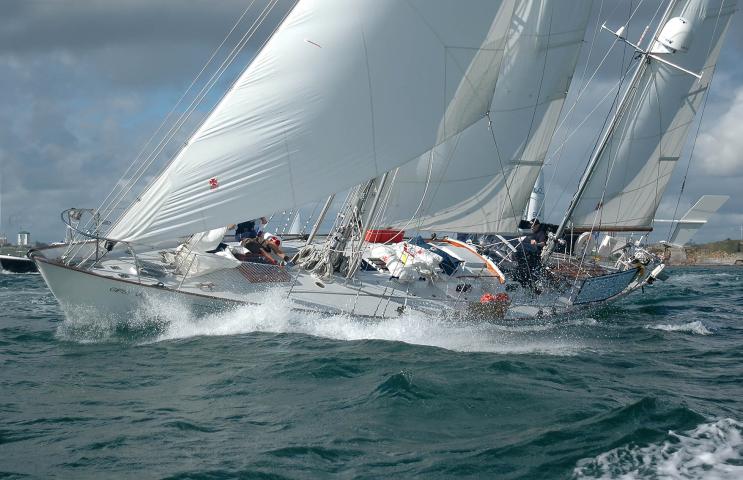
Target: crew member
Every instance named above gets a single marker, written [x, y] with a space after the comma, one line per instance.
[266, 245]
[538, 237]
[248, 229]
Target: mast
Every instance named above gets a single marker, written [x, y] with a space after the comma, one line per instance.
[624, 102]
[356, 253]
[320, 218]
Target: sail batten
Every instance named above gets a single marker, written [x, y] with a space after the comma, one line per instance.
[342, 92]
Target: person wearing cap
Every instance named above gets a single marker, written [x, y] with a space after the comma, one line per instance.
[264, 244]
[274, 244]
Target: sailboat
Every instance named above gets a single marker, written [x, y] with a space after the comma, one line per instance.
[434, 115]
[623, 183]
[598, 252]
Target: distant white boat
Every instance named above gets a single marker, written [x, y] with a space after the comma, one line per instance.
[694, 219]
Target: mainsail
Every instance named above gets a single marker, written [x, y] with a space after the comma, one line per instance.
[480, 179]
[632, 171]
[342, 92]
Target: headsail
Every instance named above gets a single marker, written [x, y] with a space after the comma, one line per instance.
[461, 182]
[695, 218]
[343, 91]
[631, 173]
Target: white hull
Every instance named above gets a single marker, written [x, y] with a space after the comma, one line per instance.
[114, 288]
[81, 292]
[84, 292]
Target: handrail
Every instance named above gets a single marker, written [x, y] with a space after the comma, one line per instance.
[75, 214]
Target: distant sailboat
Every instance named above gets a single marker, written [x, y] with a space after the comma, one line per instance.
[694, 219]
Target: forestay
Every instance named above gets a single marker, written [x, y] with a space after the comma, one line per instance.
[634, 168]
[478, 180]
[342, 92]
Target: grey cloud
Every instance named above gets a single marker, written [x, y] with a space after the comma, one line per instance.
[31, 26]
[138, 43]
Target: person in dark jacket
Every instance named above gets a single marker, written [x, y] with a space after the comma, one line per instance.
[529, 267]
[538, 236]
[265, 245]
[248, 228]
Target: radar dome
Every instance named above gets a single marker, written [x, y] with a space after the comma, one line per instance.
[674, 37]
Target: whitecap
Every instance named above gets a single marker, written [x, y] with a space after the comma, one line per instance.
[696, 327]
[713, 451]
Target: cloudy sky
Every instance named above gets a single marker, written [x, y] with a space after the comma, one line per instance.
[85, 83]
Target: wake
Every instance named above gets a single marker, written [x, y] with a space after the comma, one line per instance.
[158, 322]
[276, 316]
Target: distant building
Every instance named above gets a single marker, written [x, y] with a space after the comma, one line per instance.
[3, 240]
[24, 239]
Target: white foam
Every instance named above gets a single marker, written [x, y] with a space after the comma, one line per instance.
[8, 272]
[158, 321]
[696, 327]
[697, 278]
[275, 315]
[712, 451]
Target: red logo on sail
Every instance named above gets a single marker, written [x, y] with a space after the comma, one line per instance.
[213, 183]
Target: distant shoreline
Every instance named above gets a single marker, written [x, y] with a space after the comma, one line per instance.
[704, 265]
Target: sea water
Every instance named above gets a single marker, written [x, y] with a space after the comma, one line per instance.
[648, 388]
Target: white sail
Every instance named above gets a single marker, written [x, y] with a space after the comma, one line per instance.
[342, 92]
[461, 181]
[695, 218]
[535, 208]
[631, 173]
[296, 227]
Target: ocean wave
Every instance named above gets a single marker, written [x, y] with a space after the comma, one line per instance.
[696, 327]
[400, 385]
[713, 451]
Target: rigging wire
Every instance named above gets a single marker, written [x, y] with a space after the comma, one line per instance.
[615, 154]
[699, 124]
[178, 102]
[139, 161]
[199, 98]
[614, 160]
[598, 140]
[581, 90]
[560, 149]
[500, 162]
[529, 132]
[597, 29]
